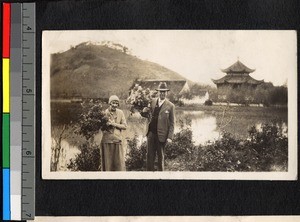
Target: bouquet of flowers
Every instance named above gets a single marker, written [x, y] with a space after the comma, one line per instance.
[140, 100]
[92, 119]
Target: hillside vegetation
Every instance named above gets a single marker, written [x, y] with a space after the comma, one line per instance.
[97, 71]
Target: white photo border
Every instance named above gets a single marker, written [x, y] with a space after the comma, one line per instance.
[291, 174]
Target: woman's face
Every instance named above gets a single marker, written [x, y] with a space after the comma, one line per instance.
[114, 105]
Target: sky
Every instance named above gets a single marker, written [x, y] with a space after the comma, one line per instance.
[198, 55]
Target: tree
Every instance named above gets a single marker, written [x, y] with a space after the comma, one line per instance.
[58, 134]
[279, 96]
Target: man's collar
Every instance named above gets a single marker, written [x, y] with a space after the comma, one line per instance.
[161, 101]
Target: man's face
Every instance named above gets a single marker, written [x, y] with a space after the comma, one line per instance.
[114, 105]
[162, 94]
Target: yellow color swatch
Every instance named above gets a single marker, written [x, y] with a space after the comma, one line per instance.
[6, 88]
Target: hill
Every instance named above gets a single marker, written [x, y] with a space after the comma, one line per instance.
[98, 71]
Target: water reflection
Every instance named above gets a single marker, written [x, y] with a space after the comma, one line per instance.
[203, 126]
[284, 127]
[67, 153]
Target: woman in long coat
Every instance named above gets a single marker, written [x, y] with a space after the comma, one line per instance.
[112, 152]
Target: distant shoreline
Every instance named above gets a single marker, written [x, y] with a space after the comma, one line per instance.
[231, 105]
[191, 106]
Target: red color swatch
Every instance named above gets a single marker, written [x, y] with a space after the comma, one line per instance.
[6, 31]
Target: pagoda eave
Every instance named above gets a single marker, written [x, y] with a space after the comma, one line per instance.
[240, 71]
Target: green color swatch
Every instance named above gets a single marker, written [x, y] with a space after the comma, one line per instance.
[5, 139]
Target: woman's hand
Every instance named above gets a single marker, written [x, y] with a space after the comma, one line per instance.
[146, 110]
[116, 125]
[109, 123]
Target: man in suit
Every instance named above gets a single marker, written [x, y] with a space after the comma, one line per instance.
[160, 128]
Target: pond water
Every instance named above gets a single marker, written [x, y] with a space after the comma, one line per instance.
[204, 127]
[68, 152]
[208, 126]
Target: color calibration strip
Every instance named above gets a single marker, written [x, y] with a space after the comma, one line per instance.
[15, 110]
[6, 110]
[18, 115]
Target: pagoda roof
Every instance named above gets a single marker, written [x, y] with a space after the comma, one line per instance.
[237, 79]
[238, 67]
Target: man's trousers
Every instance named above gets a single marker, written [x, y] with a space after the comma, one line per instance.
[154, 146]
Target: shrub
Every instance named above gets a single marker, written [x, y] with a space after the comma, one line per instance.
[92, 119]
[265, 93]
[175, 99]
[182, 147]
[270, 143]
[182, 143]
[222, 155]
[88, 160]
[265, 149]
[136, 157]
[278, 95]
[208, 102]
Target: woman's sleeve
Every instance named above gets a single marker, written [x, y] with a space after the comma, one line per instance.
[122, 125]
[123, 120]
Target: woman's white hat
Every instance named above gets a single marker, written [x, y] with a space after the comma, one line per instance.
[113, 98]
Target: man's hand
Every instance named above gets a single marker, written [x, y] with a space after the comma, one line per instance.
[169, 140]
[145, 112]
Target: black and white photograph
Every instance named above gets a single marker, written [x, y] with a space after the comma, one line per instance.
[169, 104]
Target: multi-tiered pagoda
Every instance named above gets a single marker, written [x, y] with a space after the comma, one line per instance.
[237, 76]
